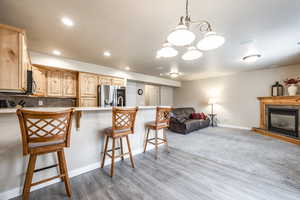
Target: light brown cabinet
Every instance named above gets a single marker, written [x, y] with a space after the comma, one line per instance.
[14, 59]
[69, 84]
[54, 83]
[105, 80]
[40, 84]
[88, 102]
[88, 84]
[118, 82]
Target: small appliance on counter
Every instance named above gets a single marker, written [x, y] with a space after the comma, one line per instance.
[4, 103]
[111, 95]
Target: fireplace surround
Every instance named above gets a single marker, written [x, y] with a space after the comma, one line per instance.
[279, 118]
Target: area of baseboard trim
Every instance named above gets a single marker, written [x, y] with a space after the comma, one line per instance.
[75, 172]
[233, 126]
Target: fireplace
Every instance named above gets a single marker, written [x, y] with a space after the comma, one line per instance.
[284, 121]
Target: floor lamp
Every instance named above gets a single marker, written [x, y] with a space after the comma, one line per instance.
[212, 101]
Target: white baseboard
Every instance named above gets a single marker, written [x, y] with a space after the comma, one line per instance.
[18, 191]
[233, 126]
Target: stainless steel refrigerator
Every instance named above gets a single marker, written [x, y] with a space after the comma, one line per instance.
[111, 95]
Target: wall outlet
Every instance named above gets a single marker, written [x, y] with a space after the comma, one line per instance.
[40, 102]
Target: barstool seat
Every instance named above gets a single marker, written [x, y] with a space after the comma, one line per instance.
[117, 133]
[158, 126]
[45, 132]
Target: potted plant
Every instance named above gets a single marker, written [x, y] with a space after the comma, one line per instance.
[291, 83]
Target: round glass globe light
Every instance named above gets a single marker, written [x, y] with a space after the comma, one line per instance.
[167, 51]
[210, 41]
[181, 36]
[192, 54]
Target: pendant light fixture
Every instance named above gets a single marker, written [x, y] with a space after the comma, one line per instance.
[210, 41]
[167, 51]
[183, 36]
[192, 54]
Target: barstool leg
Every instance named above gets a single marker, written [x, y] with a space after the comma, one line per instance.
[64, 171]
[146, 141]
[121, 147]
[130, 154]
[29, 175]
[112, 169]
[156, 145]
[105, 151]
[166, 140]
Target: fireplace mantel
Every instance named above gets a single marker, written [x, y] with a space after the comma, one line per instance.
[280, 100]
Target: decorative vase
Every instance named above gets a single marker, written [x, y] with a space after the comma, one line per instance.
[292, 90]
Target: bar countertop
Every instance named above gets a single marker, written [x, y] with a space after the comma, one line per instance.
[49, 109]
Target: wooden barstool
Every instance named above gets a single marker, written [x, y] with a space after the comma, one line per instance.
[123, 121]
[161, 122]
[45, 132]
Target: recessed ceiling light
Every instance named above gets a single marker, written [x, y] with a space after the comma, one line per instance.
[67, 21]
[56, 52]
[107, 53]
[251, 58]
[127, 68]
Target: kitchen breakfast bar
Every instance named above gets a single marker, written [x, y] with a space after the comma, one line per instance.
[83, 155]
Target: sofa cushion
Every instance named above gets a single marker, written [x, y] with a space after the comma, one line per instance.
[192, 124]
[182, 112]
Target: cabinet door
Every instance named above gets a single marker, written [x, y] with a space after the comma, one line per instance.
[88, 102]
[88, 84]
[54, 83]
[105, 80]
[10, 73]
[69, 80]
[118, 81]
[39, 78]
[26, 63]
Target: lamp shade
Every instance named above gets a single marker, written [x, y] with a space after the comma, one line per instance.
[181, 36]
[167, 51]
[210, 41]
[212, 101]
[192, 54]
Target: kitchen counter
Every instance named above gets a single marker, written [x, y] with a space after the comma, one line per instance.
[83, 155]
[49, 109]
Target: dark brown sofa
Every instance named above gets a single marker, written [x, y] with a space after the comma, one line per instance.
[181, 121]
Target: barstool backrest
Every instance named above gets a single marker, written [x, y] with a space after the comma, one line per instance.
[123, 119]
[44, 127]
[163, 115]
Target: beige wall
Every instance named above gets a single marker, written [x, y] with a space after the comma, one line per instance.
[236, 94]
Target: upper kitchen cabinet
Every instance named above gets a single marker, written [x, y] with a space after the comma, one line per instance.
[118, 81]
[105, 80]
[88, 84]
[69, 82]
[40, 81]
[54, 83]
[14, 59]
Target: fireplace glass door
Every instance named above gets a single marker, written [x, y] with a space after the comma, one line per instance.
[284, 121]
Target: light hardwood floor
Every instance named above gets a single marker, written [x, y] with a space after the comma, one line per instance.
[178, 175]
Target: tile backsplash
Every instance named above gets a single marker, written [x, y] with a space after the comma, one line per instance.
[38, 101]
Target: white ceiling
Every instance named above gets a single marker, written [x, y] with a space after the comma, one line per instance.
[133, 30]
